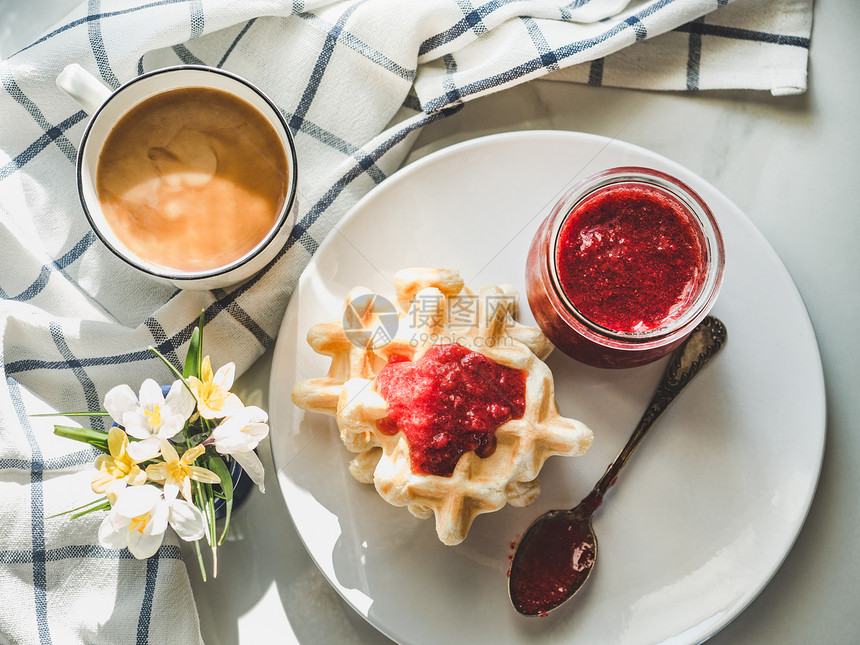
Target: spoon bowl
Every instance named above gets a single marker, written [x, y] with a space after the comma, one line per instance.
[556, 554]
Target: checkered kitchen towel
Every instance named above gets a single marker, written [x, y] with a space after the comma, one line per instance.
[356, 81]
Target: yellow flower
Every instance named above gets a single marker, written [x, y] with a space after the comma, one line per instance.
[212, 391]
[118, 468]
[177, 472]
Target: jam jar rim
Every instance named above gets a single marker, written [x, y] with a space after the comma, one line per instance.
[700, 216]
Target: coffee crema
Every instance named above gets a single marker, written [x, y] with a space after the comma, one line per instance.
[192, 179]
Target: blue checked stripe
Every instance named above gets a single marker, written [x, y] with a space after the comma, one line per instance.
[37, 513]
[701, 28]
[595, 72]
[166, 346]
[468, 22]
[547, 56]
[638, 27]
[452, 94]
[319, 69]
[185, 55]
[535, 64]
[236, 42]
[359, 46]
[198, 20]
[160, 339]
[29, 365]
[90, 17]
[300, 230]
[694, 57]
[335, 142]
[36, 287]
[473, 17]
[57, 463]
[92, 398]
[146, 607]
[95, 32]
[51, 135]
[476, 16]
[565, 12]
[78, 551]
[243, 317]
[54, 134]
[411, 102]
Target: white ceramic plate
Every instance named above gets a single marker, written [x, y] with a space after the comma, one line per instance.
[704, 513]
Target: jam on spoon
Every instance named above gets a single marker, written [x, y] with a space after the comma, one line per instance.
[557, 552]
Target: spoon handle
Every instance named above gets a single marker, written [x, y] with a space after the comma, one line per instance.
[700, 347]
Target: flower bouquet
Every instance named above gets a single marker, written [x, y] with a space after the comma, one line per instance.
[165, 460]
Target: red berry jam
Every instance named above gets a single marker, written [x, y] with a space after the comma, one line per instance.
[628, 258]
[624, 267]
[447, 403]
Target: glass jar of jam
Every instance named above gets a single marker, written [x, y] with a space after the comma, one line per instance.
[628, 262]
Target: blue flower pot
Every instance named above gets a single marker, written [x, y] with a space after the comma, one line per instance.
[242, 486]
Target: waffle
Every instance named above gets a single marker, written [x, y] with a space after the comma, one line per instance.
[427, 305]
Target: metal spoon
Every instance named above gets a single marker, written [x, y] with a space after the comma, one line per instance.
[557, 552]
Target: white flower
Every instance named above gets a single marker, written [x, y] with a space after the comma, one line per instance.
[212, 390]
[117, 469]
[150, 416]
[238, 435]
[177, 472]
[140, 517]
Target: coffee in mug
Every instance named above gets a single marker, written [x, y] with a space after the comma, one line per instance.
[187, 173]
[192, 178]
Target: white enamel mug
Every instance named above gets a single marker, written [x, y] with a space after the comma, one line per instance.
[106, 107]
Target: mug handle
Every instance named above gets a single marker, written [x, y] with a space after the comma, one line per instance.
[83, 87]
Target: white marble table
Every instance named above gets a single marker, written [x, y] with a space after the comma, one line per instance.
[792, 165]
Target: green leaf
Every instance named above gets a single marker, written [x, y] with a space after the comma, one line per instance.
[104, 506]
[96, 505]
[205, 501]
[95, 438]
[192, 358]
[173, 369]
[98, 413]
[214, 462]
[170, 365]
[200, 324]
[200, 559]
